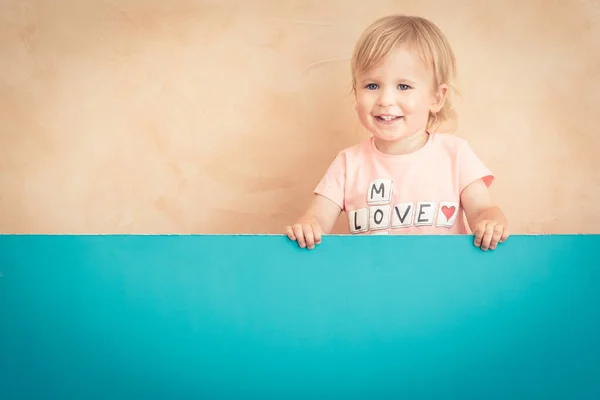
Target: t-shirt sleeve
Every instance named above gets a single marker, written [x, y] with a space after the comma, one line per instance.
[333, 183]
[471, 168]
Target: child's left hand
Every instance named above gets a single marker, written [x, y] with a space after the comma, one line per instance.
[489, 233]
[486, 220]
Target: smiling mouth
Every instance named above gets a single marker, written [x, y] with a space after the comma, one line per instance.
[387, 118]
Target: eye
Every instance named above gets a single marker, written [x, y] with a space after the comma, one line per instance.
[403, 87]
[371, 86]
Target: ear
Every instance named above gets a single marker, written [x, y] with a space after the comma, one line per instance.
[439, 98]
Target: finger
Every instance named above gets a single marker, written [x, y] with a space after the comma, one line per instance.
[309, 236]
[487, 237]
[290, 233]
[505, 235]
[299, 235]
[479, 231]
[318, 233]
[498, 229]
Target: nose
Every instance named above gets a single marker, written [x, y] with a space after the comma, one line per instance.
[386, 97]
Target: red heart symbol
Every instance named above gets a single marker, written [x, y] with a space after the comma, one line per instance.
[448, 212]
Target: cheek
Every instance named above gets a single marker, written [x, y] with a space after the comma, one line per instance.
[410, 101]
[415, 104]
[362, 104]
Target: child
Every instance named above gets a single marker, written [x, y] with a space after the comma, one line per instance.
[405, 178]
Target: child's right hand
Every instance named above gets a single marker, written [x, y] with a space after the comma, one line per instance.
[319, 219]
[306, 234]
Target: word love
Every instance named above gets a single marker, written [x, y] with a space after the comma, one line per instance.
[380, 213]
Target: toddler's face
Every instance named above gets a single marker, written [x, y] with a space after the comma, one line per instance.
[393, 100]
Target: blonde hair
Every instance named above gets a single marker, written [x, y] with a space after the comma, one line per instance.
[423, 36]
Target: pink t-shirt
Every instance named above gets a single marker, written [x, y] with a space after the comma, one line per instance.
[417, 193]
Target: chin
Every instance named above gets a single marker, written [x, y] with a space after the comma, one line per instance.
[390, 137]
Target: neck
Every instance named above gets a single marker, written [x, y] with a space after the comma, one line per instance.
[406, 145]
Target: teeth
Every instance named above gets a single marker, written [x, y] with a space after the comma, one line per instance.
[387, 117]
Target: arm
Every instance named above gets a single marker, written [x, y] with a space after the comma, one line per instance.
[485, 218]
[319, 219]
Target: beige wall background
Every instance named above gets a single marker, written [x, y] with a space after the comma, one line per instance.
[181, 116]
